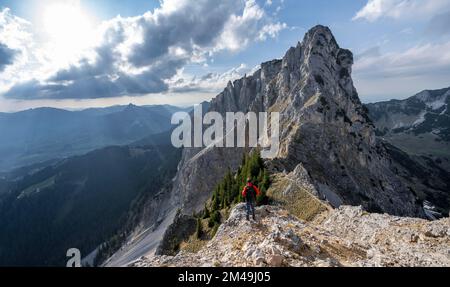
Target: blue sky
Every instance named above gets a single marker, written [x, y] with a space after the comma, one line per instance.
[81, 53]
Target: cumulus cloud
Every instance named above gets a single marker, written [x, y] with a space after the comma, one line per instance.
[210, 82]
[251, 25]
[141, 55]
[14, 31]
[397, 9]
[15, 48]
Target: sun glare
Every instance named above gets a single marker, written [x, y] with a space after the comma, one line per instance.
[69, 30]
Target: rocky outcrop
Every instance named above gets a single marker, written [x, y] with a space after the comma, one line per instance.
[426, 179]
[349, 236]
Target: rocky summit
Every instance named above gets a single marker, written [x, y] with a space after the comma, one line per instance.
[347, 236]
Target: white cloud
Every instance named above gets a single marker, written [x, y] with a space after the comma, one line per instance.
[418, 60]
[211, 82]
[15, 36]
[252, 25]
[14, 31]
[397, 9]
[271, 30]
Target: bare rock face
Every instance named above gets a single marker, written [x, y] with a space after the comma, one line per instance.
[324, 129]
[349, 236]
[199, 173]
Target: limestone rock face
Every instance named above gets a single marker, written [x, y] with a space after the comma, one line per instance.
[348, 236]
[324, 129]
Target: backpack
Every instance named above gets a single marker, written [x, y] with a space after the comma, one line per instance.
[251, 193]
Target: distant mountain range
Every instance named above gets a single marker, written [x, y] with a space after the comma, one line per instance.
[419, 125]
[43, 134]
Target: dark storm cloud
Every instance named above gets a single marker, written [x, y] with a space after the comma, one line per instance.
[90, 87]
[7, 56]
[194, 24]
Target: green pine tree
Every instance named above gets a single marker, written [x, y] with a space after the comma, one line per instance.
[206, 212]
[199, 229]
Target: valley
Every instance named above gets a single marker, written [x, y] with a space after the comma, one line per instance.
[79, 202]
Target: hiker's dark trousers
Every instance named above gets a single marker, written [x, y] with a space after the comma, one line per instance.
[250, 209]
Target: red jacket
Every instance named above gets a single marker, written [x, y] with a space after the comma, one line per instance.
[244, 191]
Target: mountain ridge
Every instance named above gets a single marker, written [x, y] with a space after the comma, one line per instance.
[425, 115]
[328, 147]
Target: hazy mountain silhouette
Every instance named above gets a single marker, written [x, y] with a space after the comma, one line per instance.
[38, 135]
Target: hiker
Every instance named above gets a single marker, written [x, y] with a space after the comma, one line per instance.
[250, 193]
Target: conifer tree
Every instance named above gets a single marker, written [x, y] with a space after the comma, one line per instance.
[199, 229]
[206, 213]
